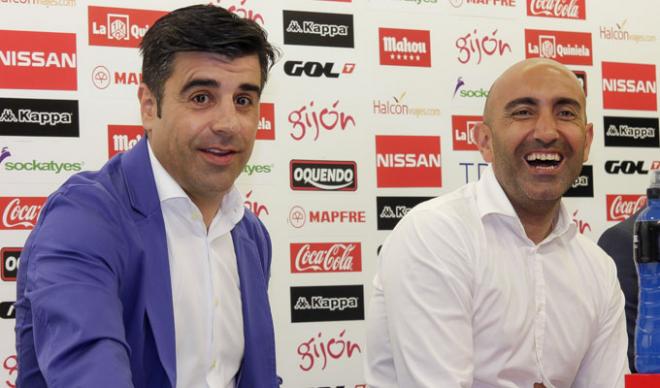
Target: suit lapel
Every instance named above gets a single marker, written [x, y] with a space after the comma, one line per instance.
[157, 288]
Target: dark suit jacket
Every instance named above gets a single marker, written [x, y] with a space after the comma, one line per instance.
[94, 301]
[617, 241]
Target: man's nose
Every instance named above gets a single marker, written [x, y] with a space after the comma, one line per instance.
[545, 129]
[226, 118]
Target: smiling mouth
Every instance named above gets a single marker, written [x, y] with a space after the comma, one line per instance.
[544, 160]
[217, 152]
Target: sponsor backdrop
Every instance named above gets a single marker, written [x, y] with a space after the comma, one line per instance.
[370, 111]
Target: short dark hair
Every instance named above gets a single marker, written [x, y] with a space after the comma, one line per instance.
[205, 28]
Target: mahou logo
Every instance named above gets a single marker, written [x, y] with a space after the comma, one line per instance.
[463, 132]
[119, 27]
[567, 47]
[408, 161]
[400, 47]
[629, 86]
[326, 257]
[20, 213]
[266, 127]
[622, 206]
[38, 60]
[122, 138]
[563, 9]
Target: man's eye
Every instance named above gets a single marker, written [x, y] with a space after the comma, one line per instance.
[522, 113]
[567, 114]
[200, 98]
[243, 100]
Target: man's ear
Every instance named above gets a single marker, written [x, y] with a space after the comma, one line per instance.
[148, 107]
[484, 137]
[588, 138]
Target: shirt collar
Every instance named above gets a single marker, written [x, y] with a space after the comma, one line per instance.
[491, 199]
[232, 208]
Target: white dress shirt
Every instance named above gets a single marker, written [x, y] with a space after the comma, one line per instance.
[462, 298]
[208, 318]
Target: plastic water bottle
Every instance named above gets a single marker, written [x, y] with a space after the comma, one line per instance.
[646, 243]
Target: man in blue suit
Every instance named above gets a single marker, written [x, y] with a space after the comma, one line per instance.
[151, 272]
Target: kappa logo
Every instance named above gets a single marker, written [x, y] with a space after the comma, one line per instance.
[631, 131]
[327, 303]
[318, 29]
[583, 186]
[32, 117]
[392, 209]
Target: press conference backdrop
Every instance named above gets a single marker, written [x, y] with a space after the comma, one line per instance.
[370, 110]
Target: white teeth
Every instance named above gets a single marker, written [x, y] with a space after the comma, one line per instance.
[216, 152]
[543, 156]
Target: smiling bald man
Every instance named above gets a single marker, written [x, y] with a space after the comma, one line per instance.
[491, 285]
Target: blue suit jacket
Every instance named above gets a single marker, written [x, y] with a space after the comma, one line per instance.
[94, 301]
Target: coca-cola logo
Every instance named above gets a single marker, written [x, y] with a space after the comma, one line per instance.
[563, 9]
[326, 257]
[20, 213]
[622, 206]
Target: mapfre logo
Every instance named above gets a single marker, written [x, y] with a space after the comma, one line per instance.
[122, 138]
[38, 60]
[567, 47]
[323, 175]
[102, 77]
[20, 213]
[622, 206]
[408, 161]
[463, 132]
[562, 9]
[266, 126]
[629, 86]
[399, 47]
[326, 257]
[119, 27]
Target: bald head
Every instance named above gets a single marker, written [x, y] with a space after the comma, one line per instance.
[520, 72]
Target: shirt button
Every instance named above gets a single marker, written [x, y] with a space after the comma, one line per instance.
[213, 365]
[216, 302]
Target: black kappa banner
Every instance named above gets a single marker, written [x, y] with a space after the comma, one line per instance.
[392, 209]
[318, 29]
[631, 131]
[327, 303]
[37, 117]
[583, 186]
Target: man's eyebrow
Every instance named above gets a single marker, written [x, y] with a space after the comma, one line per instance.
[211, 83]
[569, 101]
[197, 82]
[520, 101]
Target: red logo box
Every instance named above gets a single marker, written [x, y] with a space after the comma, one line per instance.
[38, 60]
[567, 47]
[463, 132]
[400, 47]
[629, 86]
[119, 27]
[326, 257]
[266, 128]
[562, 9]
[622, 206]
[20, 213]
[122, 138]
[408, 161]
